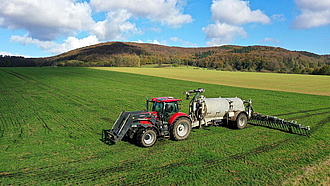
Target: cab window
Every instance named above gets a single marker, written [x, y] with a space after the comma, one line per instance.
[158, 107]
[170, 107]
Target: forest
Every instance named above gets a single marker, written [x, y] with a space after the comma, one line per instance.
[225, 58]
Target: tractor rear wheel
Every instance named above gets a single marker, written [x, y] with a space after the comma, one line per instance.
[241, 121]
[146, 137]
[181, 129]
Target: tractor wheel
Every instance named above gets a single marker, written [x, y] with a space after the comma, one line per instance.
[241, 121]
[146, 137]
[181, 129]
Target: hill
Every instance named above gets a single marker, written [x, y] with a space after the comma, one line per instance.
[228, 57]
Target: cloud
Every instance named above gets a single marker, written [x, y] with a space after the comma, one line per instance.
[278, 17]
[270, 40]
[168, 12]
[236, 12]
[3, 53]
[50, 46]
[155, 41]
[314, 13]
[222, 33]
[314, 5]
[175, 39]
[25, 40]
[116, 26]
[47, 19]
[229, 16]
[183, 43]
[73, 43]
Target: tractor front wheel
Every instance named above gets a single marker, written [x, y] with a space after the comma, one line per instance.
[241, 121]
[181, 129]
[146, 137]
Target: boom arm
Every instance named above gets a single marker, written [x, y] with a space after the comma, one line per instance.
[197, 91]
[192, 103]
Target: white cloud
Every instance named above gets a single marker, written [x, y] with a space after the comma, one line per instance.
[166, 11]
[222, 33]
[314, 13]
[138, 41]
[278, 17]
[270, 40]
[314, 5]
[228, 16]
[3, 53]
[156, 42]
[47, 19]
[73, 43]
[50, 46]
[175, 39]
[114, 27]
[25, 40]
[158, 30]
[183, 43]
[236, 12]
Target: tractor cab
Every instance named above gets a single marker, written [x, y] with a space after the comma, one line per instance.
[165, 107]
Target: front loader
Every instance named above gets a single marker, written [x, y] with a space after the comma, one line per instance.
[165, 120]
[144, 127]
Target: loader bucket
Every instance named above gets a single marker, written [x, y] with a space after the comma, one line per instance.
[119, 128]
[279, 124]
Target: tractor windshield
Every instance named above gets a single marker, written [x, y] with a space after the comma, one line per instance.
[158, 107]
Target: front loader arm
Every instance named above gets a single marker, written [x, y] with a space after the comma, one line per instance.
[120, 127]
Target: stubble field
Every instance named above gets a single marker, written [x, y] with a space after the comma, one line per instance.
[298, 83]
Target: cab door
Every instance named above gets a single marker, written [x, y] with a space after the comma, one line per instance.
[170, 108]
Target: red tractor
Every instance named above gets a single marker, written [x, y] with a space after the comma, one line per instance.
[145, 126]
[165, 120]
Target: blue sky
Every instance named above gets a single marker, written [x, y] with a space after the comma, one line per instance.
[35, 28]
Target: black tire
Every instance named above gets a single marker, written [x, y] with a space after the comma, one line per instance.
[181, 129]
[146, 137]
[241, 121]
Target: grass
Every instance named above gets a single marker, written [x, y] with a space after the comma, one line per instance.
[51, 121]
[316, 174]
[306, 84]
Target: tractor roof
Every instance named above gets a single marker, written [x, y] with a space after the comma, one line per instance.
[165, 99]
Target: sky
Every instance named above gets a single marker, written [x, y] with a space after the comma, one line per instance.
[43, 28]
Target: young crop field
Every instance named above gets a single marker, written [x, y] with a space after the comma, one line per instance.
[51, 121]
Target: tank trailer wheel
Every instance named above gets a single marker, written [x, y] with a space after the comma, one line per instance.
[146, 138]
[181, 129]
[241, 121]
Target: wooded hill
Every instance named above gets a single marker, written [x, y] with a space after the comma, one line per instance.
[228, 57]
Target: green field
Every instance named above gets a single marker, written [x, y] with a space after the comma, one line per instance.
[299, 83]
[51, 122]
